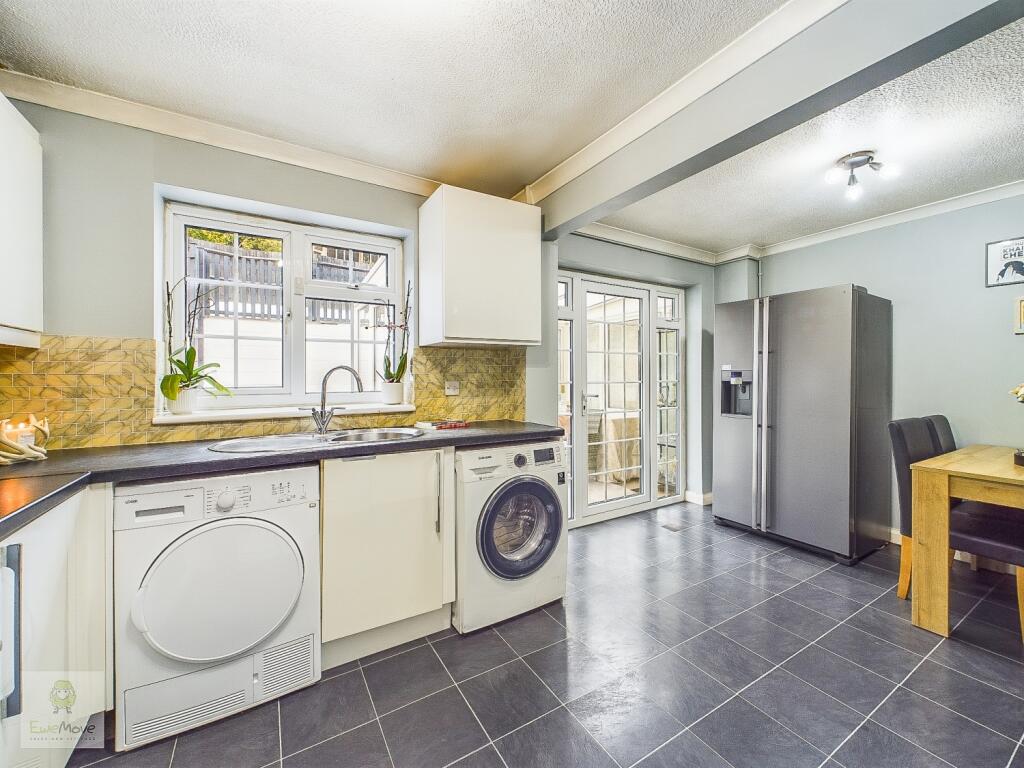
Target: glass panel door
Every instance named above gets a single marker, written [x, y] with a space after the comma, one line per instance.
[566, 395]
[668, 421]
[614, 402]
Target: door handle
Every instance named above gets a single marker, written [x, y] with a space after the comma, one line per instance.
[755, 410]
[437, 478]
[8, 591]
[765, 414]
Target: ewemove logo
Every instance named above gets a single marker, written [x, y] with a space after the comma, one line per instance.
[55, 709]
[62, 696]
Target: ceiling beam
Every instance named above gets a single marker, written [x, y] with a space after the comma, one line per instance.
[855, 49]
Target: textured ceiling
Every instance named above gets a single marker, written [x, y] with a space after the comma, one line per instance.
[954, 126]
[486, 94]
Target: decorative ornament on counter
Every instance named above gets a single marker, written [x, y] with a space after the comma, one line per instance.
[23, 442]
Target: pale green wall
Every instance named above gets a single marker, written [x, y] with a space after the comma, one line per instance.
[736, 280]
[99, 212]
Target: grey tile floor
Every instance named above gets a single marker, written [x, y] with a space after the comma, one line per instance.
[680, 643]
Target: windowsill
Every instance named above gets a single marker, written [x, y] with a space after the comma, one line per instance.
[252, 414]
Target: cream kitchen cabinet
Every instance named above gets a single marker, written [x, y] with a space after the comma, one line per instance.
[54, 568]
[21, 221]
[387, 539]
[479, 270]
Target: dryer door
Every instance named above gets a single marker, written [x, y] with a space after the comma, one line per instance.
[519, 527]
[219, 590]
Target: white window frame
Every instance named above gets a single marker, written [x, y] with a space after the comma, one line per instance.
[298, 285]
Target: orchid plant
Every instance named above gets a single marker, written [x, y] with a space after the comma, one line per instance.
[394, 369]
[184, 373]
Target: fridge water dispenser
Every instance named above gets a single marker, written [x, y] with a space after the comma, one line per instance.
[737, 391]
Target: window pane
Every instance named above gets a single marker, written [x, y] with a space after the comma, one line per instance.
[260, 363]
[209, 254]
[221, 351]
[260, 260]
[345, 333]
[349, 266]
[667, 308]
[563, 294]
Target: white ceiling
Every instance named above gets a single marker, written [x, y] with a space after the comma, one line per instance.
[954, 126]
[485, 94]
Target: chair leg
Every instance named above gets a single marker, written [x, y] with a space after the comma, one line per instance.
[906, 559]
[952, 557]
[1020, 597]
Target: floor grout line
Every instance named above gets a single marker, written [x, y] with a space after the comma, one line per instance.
[557, 698]
[1018, 748]
[472, 711]
[280, 735]
[376, 717]
[898, 686]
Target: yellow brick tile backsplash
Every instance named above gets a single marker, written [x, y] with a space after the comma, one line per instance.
[101, 391]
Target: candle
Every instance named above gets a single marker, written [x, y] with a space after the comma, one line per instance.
[23, 433]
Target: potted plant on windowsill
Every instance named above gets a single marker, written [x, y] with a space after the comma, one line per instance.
[392, 389]
[185, 380]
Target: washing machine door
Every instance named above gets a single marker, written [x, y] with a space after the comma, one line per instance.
[219, 590]
[519, 527]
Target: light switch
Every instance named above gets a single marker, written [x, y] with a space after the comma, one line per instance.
[451, 387]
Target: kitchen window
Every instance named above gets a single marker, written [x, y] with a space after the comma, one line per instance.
[281, 303]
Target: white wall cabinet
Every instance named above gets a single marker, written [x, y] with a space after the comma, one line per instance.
[62, 628]
[479, 270]
[21, 221]
[388, 543]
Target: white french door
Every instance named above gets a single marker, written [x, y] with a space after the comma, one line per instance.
[620, 374]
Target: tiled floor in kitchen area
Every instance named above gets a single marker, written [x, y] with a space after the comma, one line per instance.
[681, 643]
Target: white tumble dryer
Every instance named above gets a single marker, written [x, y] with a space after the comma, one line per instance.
[216, 597]
[510, 528]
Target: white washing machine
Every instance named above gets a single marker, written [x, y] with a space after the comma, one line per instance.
[511, 532]
[216, 598]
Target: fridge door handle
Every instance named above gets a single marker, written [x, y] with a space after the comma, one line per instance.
[765, 425]
[755, 504]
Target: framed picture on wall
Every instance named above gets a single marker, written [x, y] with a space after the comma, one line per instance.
[1004, 262]
[1018, 325]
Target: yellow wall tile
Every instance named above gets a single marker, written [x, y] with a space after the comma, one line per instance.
[101, 391]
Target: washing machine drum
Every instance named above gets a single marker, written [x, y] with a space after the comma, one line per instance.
[519, 527]
[219, 590]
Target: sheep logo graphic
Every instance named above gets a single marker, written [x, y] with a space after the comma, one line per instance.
[62, 696]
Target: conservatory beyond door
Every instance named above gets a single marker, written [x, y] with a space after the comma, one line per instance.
[620, 390]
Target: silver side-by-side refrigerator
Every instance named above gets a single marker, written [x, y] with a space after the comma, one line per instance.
[802, 398]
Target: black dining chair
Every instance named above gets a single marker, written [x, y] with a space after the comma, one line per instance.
[986, 530]
[941, 432]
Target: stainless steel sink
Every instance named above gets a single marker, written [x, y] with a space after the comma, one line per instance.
[309, 441]
[375, 435]
[273, 443]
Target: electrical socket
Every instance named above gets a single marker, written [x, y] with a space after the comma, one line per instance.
[451, 387]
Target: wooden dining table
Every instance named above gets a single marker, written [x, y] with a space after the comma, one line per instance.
[976, 473]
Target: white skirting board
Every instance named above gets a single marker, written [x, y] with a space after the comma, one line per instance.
[348, 649]
[698, 498]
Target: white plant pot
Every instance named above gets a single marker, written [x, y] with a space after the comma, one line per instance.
[392, 392]
[187, 402]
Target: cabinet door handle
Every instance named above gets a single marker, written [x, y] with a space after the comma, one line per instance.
[10, 630]
[437, 478]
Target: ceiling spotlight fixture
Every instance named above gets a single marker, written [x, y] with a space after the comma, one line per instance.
[848, 165]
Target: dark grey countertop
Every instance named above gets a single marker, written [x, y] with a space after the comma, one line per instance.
[26, 498]
[28, 490]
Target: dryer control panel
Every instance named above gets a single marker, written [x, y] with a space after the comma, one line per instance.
[146, 504]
